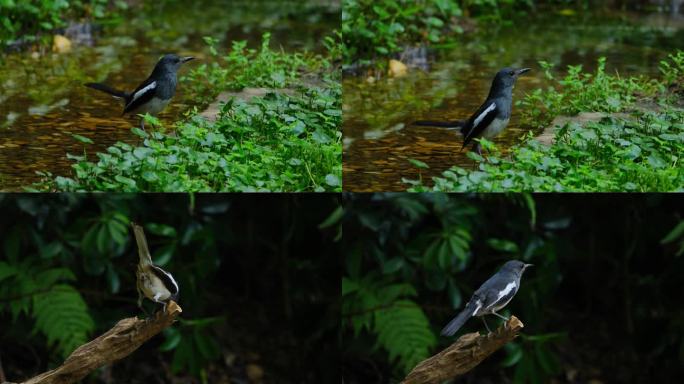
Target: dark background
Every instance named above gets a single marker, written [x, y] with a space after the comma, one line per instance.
[259, 284]
[603, 302]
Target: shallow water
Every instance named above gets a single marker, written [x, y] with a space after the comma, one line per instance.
[378, 135]
[43, 101]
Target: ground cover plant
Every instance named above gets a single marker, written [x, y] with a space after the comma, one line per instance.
[25, 22]
[287, 139]
[376, 29]
[637, 146]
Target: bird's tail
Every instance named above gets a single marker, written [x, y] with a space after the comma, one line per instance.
[143, 251]
[458, 124]
[107, 89]
[457, 322]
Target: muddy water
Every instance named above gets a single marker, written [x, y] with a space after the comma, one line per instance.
[379, 137]
[43, 101]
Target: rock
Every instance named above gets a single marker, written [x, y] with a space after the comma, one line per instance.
[397, 68]
[61, 44]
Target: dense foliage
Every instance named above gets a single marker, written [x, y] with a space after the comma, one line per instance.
[30, 20]
[638, 146]
[250, 268]
[382, 28]
[286, 140]
[412, 261]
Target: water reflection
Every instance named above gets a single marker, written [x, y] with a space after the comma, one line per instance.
[379, 138]
[43, 101]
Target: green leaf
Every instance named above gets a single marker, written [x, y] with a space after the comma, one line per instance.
[161, 229]
[503, 245]
[333, 218]
[392, 265]
[82, 139]
[418, 163]
[173, 338]
[454, 295]
[676, 233]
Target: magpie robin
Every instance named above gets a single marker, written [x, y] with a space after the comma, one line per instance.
[492, 296]
[153, 94]
[492, 116]
[152, 282]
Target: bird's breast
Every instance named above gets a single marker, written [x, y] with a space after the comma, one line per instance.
[153, 107]
[151, 286]
[495, 128]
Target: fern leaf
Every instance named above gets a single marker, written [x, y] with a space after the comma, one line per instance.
[62, 316]
[404, 331]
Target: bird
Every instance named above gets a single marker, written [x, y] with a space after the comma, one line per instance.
[492, 116]
[153, 282]
[491, 297]
[153, 94]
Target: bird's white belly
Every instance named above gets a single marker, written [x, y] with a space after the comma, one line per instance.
[153, 107]
[495, 128]
[154, 289]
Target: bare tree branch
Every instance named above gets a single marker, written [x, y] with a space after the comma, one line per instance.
[126, 336]
[463, 355]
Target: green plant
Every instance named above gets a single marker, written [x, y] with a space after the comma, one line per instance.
[641, 151]
[285, 140]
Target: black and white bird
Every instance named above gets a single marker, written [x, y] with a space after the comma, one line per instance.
[492, 296]
[492, 116]
[153, 282]
[153, 94]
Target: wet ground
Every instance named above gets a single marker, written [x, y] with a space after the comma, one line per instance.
[43, 101]
[378, 135]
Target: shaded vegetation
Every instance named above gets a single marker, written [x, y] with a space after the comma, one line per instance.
[258, 284]
[287, 140]
[35, 20]
[640, 151]
[588, 304]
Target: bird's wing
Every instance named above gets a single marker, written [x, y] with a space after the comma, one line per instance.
[479, 121]
[499, 289]
[143, 251]
[167, 279]
[144, 93]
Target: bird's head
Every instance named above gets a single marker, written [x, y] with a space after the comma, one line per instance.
[516, 266]
[506, 77]
[173, 62]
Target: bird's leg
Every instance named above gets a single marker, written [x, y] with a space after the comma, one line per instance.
[142, 123]
[503, 317]
[477, 148]
[485, 323]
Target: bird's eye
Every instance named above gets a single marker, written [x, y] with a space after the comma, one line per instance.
[511, 73]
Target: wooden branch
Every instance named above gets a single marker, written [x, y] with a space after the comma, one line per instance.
[463, 355]
[126, 336]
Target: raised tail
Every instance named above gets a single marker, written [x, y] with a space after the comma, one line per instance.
[143, 251]
[107, 89]
[457, 322]
[444, 124]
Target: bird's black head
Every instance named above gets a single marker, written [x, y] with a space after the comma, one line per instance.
[515, 266]
[172, 62]
[506, 77]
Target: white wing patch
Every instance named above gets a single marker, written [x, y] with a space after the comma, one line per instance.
[141, 92]
[479, 305]
[482, 115]
[506, 291]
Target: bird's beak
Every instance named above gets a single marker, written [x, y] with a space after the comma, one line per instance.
[186, 59]
[528, 265]
[520, 72]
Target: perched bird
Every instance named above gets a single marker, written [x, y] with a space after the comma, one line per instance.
[153, 94]
[492, 116]
[153, 282]
[492, 296]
